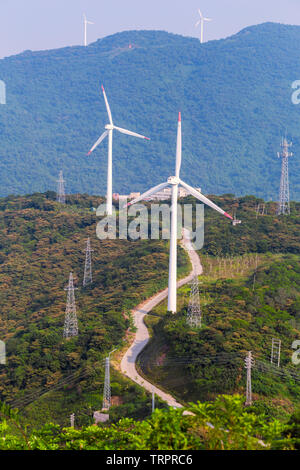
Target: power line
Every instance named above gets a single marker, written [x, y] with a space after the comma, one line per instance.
[39, 392]
[29, 398]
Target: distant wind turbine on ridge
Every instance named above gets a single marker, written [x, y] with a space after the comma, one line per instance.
[174, 182]
[201, 22]
[109, 131]
[85, 23]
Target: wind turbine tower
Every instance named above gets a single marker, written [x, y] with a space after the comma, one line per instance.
[85, 23]
[71, 326]
[284, 192]
[174, 182]
[109, 132]
[201, 22]
[61, 196]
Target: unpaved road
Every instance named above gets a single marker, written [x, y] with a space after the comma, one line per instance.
[142, 336]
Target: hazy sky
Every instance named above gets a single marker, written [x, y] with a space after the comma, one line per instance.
[48, 24]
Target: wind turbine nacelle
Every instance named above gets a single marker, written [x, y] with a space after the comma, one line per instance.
[173, 180]
[109, 127]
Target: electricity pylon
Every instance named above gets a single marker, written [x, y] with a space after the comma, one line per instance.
[275, 353]
[249, 363]
[106, 392]
[284, 192]
[71, 326]
[88, 278]
[153, 400]
[61, 196]
[194, 316]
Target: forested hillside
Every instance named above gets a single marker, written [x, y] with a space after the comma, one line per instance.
[41, 241]
[223, 425]
[249, 294]
[234, 94]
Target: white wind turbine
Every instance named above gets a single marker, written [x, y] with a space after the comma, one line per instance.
[174, 182]
[109, 131]
[85, 23]
[201, 22]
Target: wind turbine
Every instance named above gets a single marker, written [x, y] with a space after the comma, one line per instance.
[85, 22]
[109, 131]
[174, 182]
[201, 22]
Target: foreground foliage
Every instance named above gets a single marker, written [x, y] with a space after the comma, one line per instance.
[222, 425]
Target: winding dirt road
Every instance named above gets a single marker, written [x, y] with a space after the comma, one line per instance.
[142, 335]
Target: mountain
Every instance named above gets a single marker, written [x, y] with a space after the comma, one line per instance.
[41, 241]
[234, 94]
[248, 296]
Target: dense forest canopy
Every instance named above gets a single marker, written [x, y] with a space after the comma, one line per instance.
[41, 242]
[234, 95]
[249, 294]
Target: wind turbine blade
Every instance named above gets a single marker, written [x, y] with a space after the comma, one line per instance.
[179, 147]
[197, 24]
[199, 11]
[204, 199]
[107, 106]
[98, 142]
[149, 193]
[134, 134]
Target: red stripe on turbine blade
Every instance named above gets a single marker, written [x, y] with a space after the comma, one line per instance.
[179, 116]
[228, 215]
[89, 153]
[147, 138]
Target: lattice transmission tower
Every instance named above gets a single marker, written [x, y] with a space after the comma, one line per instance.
[249, 363]
[71, 326]
[284, 192]
[194, 316]
[88, 278]
[275, 352]
[106, 391]
[61, 196]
